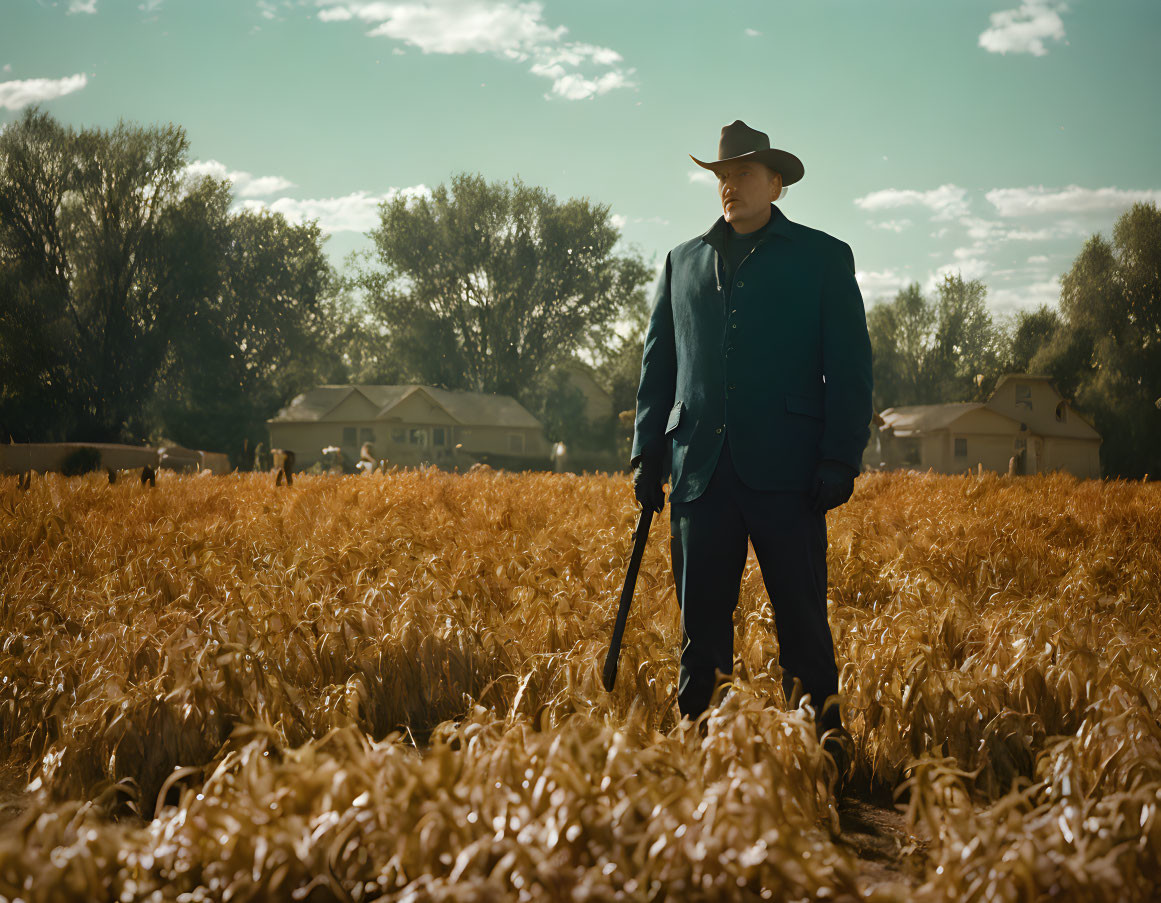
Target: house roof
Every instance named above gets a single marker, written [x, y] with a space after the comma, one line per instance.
[927, 417]
[482, 409]
[466, 408]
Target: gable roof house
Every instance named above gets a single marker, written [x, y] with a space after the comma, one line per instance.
[409, 425]
[1025, 424]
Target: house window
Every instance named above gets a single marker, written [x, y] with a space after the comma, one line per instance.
[910, 449]
[516, 443]
[1061, 412]
[961, 446]
[417, 436]
[1024, 395]
[366, 435]
[438, 436]
[398, 435]
[348, 436]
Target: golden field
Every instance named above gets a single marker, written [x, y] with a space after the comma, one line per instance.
[388, 687]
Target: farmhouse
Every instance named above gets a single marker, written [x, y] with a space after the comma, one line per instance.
[582, 377]
[410, 425]
[1025, 420]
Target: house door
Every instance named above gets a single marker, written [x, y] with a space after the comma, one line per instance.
[1021, 455]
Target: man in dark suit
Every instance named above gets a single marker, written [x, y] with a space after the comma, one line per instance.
[755, 397]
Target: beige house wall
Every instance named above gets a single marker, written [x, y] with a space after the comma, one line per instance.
[308, 439]
[1077, 456]
[931, 451]
[1036, 403]
[598, 402]
[355, 408]
[47, 457]
[991, 450]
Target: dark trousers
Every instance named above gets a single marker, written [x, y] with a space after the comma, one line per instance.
[709, 554]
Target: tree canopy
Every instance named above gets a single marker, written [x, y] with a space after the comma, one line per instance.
[928, 351]
[484, 286]
[133, 302]
[1106, 351]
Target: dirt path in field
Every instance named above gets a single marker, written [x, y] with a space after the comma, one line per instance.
[12, 797]
[890, 858]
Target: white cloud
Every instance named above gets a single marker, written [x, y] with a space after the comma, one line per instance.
[18, 94]
[245, 184]
[81, 6]
[7, 67]
[618, 221]
[356, 212]
[874, 284]
[1025, 297]
[967, 265]
[509, 30]
[753, 33]
[701, 176]
[1070, 199]
[892, 225]
[1038, 258]
[945, 202]
[1024, 30]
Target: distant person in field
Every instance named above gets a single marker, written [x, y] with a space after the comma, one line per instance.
[367, 462]
[559, 457]
[756, 379]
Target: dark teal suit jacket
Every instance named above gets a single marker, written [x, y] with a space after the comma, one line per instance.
[783, 369]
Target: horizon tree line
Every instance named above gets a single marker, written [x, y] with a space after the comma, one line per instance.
[137, 304]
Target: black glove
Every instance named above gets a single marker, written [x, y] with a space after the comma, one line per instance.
[834, 482]
[647, 484]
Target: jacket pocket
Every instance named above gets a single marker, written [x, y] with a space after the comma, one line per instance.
[802, 404]
[674, 417]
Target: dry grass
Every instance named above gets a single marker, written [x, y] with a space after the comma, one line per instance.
[389, 687]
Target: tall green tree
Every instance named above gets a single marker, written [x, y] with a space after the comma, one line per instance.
[485, 286]
[902, 335]
[90, 248]
[968, 354]
[928, 351]
[1028, 332]
[258, 336]
[134, 304]
[1107, 354]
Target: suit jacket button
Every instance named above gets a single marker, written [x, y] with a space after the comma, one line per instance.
[740, 284]
[718, 430]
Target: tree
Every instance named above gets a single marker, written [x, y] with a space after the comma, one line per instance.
[902, 335]
[484, 286]
[933, 351]
[133, 303]
[1107, 354]
[966, 357]
[258, 338]
[87, 289]
[1028, 333]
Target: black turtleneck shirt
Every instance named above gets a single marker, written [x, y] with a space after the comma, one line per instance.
[738, 246]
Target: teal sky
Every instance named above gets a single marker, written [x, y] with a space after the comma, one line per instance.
[986, 137]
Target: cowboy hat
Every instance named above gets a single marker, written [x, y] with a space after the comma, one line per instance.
[740, 142]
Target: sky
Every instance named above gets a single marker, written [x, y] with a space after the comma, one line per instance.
[985, 138]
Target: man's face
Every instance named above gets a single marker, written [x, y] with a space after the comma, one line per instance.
[747, 189]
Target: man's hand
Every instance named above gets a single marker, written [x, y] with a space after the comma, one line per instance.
[647, 484]
[834, 482]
